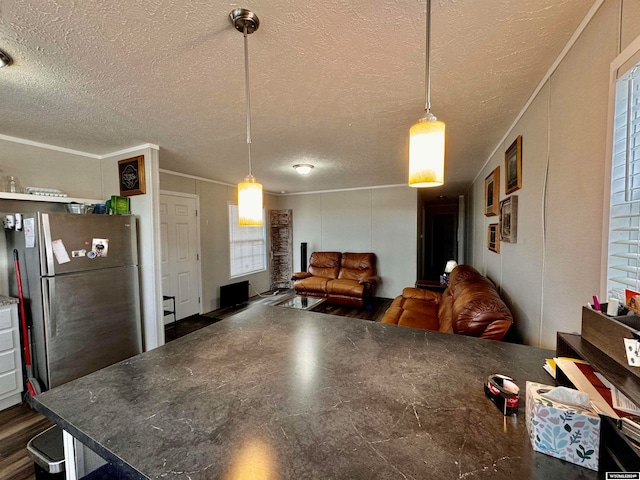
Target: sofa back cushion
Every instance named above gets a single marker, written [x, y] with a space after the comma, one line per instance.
[325, 264]
[357, 266]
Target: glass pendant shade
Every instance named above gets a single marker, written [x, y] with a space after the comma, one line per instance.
[426, 153]
[250, 202]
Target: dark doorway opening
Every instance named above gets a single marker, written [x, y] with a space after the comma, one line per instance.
[438, 242]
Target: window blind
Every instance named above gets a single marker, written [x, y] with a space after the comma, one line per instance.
[624, 219]
[247, 246]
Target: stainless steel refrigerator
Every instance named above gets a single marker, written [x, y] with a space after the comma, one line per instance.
[81, 288]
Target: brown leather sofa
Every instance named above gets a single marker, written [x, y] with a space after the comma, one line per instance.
[341, 278]
[469, 306]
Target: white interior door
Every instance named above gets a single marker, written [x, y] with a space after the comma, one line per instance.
[179, 231]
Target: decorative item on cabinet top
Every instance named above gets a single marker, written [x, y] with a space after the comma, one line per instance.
[11, 189]
[47, 192]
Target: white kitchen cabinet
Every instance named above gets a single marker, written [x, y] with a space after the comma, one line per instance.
[10, 359]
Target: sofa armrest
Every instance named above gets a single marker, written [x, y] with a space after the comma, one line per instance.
[497, 329]
[300, 275]
[372, 279]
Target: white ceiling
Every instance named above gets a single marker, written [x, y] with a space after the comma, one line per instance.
[333, 83]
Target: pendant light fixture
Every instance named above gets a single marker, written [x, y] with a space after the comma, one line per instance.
[426, 138]
[249, 191]
[303, 168]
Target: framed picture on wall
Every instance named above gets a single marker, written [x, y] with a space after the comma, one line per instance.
[492, 193]
[509, 219]
[513, 166]
[493, 238]
[131, 176]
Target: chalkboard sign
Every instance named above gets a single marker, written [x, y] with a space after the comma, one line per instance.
[131, 175]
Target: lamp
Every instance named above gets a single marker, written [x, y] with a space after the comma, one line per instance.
[451, 264]
[448, 268]
[426, 138]
[303, 168]
[249, 191]
[5, 59]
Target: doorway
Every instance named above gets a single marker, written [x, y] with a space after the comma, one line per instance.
[180, 252]
[438, 240]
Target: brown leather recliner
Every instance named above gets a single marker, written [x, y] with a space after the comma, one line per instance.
[469, 306]
[341, 278]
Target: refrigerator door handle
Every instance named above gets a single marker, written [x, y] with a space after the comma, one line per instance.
[49, 293]
[48, 250]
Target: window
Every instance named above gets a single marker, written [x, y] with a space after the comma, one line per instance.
[624, 221]
[247, 246]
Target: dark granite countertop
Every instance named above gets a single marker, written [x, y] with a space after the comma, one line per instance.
[4, 300]
[295, 394]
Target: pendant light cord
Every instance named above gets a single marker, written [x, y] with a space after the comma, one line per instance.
[427, 74]
[247, 94]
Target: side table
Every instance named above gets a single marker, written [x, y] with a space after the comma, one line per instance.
[171, 311]
[433, 285]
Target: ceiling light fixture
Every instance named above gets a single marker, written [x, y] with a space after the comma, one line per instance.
[426, 138]
[5, 59]
[303, 168]
[249, 191]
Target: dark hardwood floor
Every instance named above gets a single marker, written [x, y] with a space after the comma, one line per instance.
[20, 423]
[373, 312]
[17, 426]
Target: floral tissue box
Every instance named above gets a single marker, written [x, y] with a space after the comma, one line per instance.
[562, 431]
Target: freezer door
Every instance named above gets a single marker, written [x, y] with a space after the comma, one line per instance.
[92, 321]
[77, 243]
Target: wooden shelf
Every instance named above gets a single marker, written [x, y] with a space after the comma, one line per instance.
[617, 452]
[573, 345]
[46, 198]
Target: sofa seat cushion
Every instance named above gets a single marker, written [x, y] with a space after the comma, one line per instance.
[312, 285]
[350, 288]
[419, 314]
[415, 308]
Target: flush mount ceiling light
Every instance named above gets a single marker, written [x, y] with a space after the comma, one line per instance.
[303, 168]
[5, 59]
[249, 191]
[426, 138]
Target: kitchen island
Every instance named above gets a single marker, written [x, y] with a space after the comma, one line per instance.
[277, 393]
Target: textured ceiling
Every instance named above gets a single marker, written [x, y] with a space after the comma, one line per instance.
[333, 83]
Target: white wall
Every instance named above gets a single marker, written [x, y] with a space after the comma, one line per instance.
[214, 234]
[378, 220]
[554, 268]
[35, 165]
[146, 208]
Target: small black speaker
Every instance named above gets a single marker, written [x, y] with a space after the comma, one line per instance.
[303, 257]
